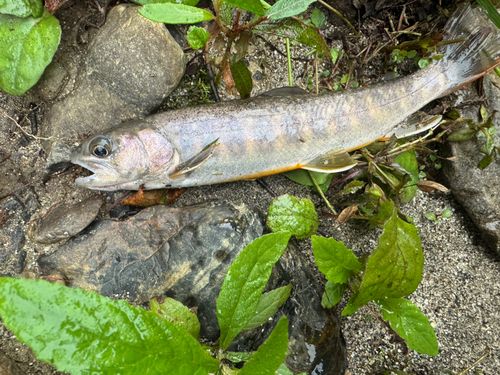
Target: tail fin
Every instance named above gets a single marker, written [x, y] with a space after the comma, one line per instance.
[478, 54]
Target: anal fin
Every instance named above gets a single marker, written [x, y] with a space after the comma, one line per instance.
[337, 160]
[417, 123]
[191, 164]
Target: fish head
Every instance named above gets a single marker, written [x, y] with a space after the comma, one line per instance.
[123, 158]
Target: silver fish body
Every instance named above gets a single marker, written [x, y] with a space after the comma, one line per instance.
[271, 134]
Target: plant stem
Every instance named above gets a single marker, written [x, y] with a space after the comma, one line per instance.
[289, 59]
[321, 192]
[340, 15]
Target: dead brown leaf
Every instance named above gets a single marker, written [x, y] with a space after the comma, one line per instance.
[432, 187]
[347, 214]
[149, 198]
[53, 5]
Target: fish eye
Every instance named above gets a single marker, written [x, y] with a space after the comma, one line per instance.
[100, 147]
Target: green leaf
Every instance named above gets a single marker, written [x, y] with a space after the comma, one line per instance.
[244, 282]
[333, 293]
[408, 160]
[185, 2]
[410, 323]
[491, 11]
[352, 187]
[225, 13]
[431, 216]
[32, 43]
[237, 357]
[297, 31]
[22, 8]
[334, 259]
[242, 78]
[268, 306]
[178, 314]
[283, 370]
[394, 269]
[301, 176]
[461, 135]
[486, 161]
[175, 13]
[271, 354]
[287, 8]
[318, 18]
[334, 52]
[298, 216]
[424, 62]
[253, 6]
[446, 214]
[197, 37]
[80, 332]
[488, 146]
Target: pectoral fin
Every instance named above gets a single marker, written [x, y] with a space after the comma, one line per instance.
[417, 123]
[191, 164]
[337, 160]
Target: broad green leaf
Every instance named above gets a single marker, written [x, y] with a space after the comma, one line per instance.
[394, 269]
[352, 187]
[185, 2]
[301, 176]
[298, 31]
[318, 18]
[175, 13]
[31, 43]
[491, 11]
[298, 216]
[461, 135]
[271, 354]
[333, 293]
[178, 314]
[268, 306]
[197, 37]
[83, 332]
[287, 8]
[244, 282]
[22, 8]
[283, 370]
[242, 78]
[334, 259]
[408, 160]
[410, 323]
[253, 6]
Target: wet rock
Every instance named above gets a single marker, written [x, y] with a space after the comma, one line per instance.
[9, 366]
[131, 65]
[66, 220]
[478, 191]
[184, 253]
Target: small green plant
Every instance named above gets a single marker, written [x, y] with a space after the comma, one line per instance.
[29, 36]
[435, 217]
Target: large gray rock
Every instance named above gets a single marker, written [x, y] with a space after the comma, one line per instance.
[131, 65]
[478, 191]
[184, 253]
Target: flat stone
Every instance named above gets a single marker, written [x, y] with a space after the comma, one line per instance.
[184, 253]
[478, 191]
[66, 220]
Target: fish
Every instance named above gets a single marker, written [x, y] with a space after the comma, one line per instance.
[287, 128]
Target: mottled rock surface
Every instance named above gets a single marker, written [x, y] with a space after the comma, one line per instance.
[478, 191]
[184, 253]
[8, 366]
[131, 65]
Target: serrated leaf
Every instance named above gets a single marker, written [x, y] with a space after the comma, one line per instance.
[271, 354]
[185, 2]
[242, 78]
[491, 11]
[410, 323]
[333, 293]
[244, 282]
[197, 37]
[287, 8]
[297, 31]
[318, 18]
[298, 216]
[253, 6]
[334, 259]
[32, 43]
[394, 269]
[408, 160]
[178, 314]
[22, 8]
[268, 306]
[79, 332]
[174, 13]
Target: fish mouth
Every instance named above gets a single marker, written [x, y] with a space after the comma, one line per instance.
[104, 177]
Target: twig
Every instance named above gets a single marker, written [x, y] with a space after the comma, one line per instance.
[486, 353]
[321, 192]
[210, 73]
[340, 15]
[24, 131]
